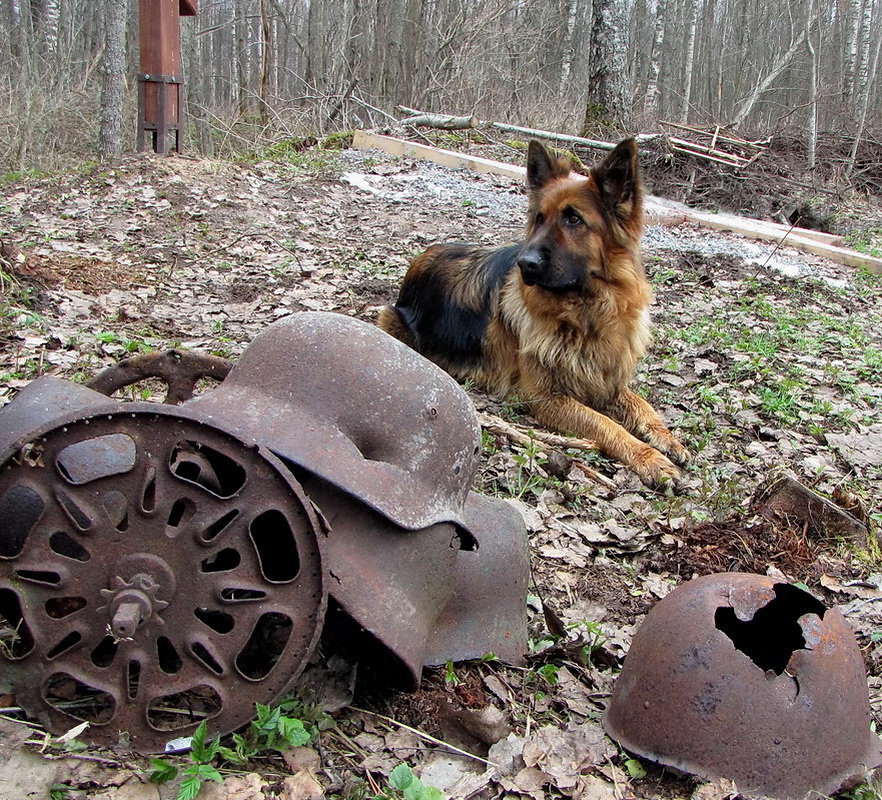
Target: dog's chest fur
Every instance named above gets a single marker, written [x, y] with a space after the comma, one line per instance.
[588, 347]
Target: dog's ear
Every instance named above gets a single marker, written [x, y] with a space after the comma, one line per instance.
[542, 166]
[618, 180]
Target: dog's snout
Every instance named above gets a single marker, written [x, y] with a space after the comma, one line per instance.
[531, 263]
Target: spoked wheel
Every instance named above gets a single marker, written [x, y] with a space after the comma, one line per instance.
[154, 572]
[179, 370]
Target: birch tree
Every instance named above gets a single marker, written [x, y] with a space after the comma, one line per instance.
[694, 9]
[609, 101]
[650, 103]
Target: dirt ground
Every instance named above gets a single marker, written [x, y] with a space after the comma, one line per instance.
[766, 364]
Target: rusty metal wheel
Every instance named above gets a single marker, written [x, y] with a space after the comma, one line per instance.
[179, 370]
[154, 571]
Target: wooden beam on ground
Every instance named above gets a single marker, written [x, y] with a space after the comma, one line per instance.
[807, 233]
[658, 209]
[758, 229]
[444, 121]
[363, 140]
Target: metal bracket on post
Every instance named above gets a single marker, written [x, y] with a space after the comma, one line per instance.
[166, 119]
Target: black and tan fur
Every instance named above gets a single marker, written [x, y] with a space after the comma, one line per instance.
[560, 319]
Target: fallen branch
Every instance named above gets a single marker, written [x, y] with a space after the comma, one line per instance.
[426, 736]
[444, 121]
[528, 437]
[447, 121]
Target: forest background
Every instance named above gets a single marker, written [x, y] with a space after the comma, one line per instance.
[257, 71]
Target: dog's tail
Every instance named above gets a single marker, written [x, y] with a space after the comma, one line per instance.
[391, 321]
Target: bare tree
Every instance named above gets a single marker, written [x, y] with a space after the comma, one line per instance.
[609, 101]
[779, 65]
[113, 66]
[694, 9]
[650, 103]
[261, 70]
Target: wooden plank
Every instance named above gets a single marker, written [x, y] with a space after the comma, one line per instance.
[760, 145]
[757, 229]
[808, 233]
[671, 212]
[446, 158]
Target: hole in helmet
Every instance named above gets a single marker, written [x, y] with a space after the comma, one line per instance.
[74, 513]
[44, 577]
[171, 712]
[201, 652]
[65, 545]
[61, 607]
[16, 639]
[169, 660]
[180, 513]
[218, 621]
[117, 507]
[265, 645]
[104, 652]
[20, 509]
[236, 594]
[133, 679]
[222, 561]
[219, 525]
[148, 493]
[771, 636]
[67, 643]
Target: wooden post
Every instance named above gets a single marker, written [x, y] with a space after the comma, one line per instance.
[160, 90]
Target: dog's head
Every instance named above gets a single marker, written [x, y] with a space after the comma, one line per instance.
[579, 225]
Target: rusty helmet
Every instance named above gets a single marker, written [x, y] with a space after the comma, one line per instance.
[743, 677]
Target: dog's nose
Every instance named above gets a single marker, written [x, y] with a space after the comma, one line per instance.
[530, 263]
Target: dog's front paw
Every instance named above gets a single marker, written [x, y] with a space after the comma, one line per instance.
[655, 469]
[670, 446]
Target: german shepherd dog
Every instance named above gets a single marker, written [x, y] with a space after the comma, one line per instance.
[560, 319]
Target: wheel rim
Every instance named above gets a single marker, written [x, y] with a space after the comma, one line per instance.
[154, 571]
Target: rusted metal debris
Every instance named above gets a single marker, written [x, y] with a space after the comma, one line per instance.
[160, 565]
[181, 370]
[736, 676]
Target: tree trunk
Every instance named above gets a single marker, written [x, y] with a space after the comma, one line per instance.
[609, 101]
[265, 49]
[848, 75]
[812, 127]
[113, 66]
[863, 75]
[650, 103]
[690, 60]
[777, 68]
[865, 105]
[569, 49]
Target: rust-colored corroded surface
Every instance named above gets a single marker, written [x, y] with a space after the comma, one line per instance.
[161, 564]
[737, 676]
[156, 570]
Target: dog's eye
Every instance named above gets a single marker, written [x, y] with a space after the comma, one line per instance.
[540, 218]
[572, 219]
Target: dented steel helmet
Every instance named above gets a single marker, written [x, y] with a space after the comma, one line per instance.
[164, 564]
[386, 443]
[738, 676]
